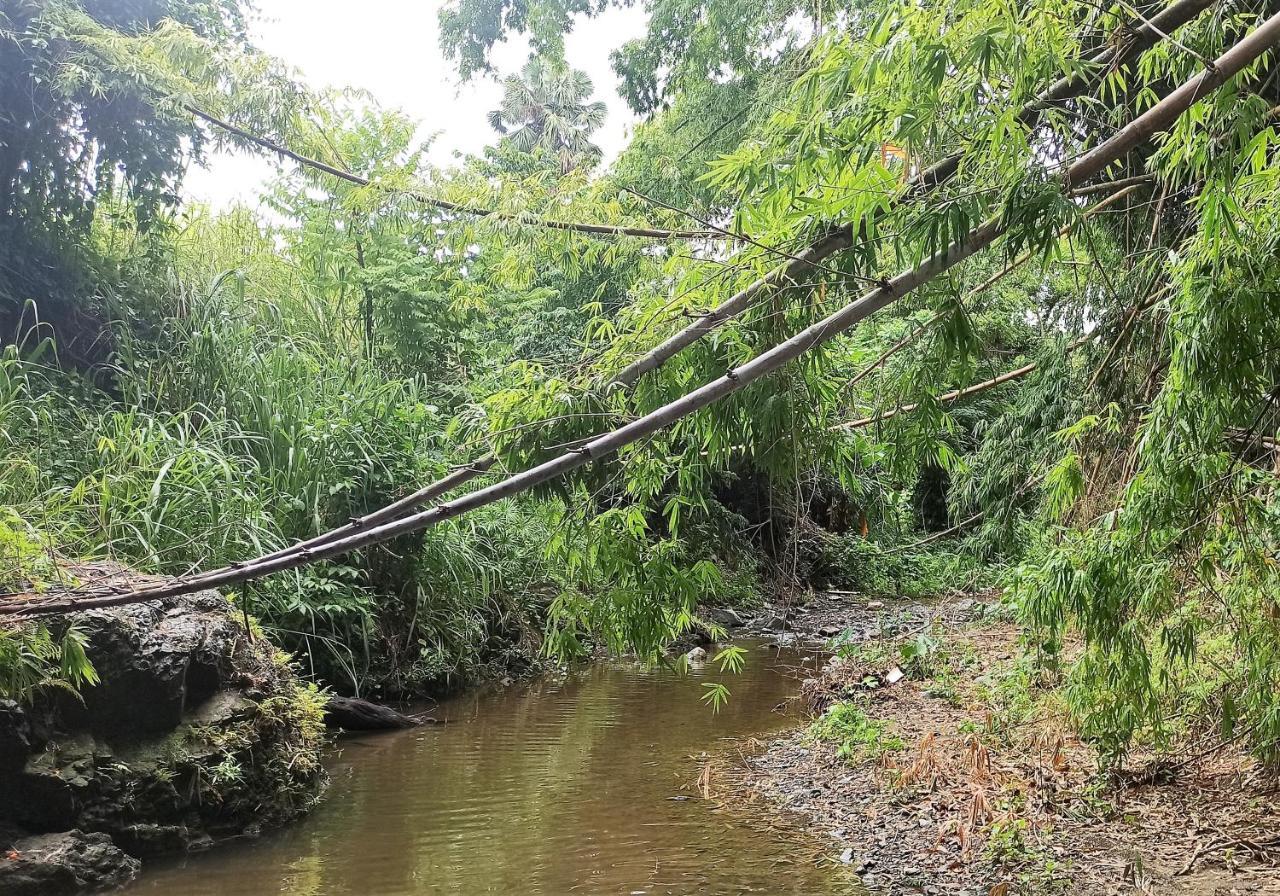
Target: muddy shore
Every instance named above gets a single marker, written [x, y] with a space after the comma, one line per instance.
[962, 776]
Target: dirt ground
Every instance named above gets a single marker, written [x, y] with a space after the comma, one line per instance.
[976, 788]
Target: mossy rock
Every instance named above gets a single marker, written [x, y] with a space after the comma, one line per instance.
[198, 731]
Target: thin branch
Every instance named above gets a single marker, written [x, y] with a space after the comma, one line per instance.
[1000, 380]
[991, 281]
[444, 204]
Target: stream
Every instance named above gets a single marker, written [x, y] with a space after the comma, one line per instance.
[584, 783]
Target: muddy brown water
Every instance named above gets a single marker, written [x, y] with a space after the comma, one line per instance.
[584, 784]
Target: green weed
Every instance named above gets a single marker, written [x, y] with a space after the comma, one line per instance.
[857, 736]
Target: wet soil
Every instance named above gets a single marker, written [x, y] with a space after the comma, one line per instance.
[985, 790]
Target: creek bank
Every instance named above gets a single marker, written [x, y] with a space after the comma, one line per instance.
[197, 732]
[962, 777]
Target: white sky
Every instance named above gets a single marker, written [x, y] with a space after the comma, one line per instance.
[391, 48]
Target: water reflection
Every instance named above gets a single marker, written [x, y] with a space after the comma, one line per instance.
[564, 786]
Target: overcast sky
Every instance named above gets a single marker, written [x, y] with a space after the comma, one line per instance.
[391, 48]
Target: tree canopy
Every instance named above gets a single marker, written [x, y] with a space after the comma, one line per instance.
[549, 107]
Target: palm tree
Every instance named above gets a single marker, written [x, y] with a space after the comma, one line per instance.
[546, 107]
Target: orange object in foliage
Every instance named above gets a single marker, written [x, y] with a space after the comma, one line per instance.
[891, 151]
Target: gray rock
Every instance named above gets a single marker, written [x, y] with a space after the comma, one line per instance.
[776, 623]
[153, 839]
[15, 738]
[223, 708]
[183, 690]
[70, 862]
[155, 661]
[697, 655]
[725, 616]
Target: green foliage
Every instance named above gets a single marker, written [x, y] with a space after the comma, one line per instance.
[923, 655]
[470, 28]
[74, 139]
[888, 570]
[626, 585]
[857, 736]
[547, 108]
[273, 379]
[33, 659]
[71, 129]
[1011, 692]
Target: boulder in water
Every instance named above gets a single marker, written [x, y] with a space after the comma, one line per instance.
[73, 861]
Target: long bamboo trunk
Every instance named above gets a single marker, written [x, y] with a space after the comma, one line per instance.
[1158, 118]
[1143, 35]
[982, 287]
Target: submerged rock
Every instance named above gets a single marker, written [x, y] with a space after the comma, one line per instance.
[198, 731]
[50, 864]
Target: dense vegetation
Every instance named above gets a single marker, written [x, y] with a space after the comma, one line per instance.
[182, 389]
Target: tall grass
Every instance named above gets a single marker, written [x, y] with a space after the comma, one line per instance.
[237, 426]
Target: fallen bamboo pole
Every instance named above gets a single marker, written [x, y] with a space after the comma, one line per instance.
[921, 185]
[1143, 36]
[1157, 118]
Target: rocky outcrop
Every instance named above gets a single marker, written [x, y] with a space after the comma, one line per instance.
[49, 864]
[726, 617]
[198, 731]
